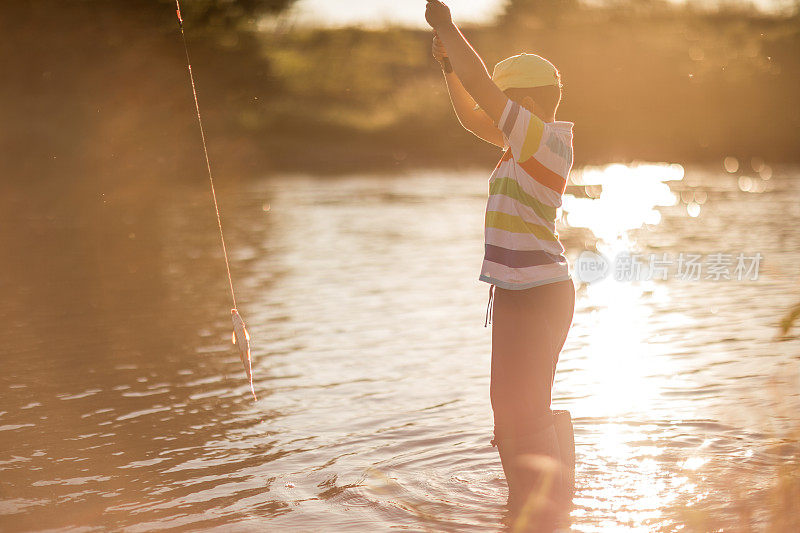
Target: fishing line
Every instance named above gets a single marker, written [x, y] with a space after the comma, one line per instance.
[205, 151]
[240, 335]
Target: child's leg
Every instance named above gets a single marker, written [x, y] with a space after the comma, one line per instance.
[563, 321]
[529, 329]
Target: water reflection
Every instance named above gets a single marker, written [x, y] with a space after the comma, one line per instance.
[124, 405]
[629, 198]
[642, 368]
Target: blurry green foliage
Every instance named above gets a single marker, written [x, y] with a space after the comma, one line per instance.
[353, 65]
[661, 84]
[226, 13]
[643, 80]
[533, 12]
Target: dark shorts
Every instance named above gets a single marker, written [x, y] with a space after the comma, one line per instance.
[529, 328]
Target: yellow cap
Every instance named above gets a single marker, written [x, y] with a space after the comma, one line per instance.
[524, 71]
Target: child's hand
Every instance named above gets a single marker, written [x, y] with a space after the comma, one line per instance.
[437, 14]
[438, 49]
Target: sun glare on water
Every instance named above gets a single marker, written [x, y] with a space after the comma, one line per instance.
[621, 321]
[616, 356]
[628, 201]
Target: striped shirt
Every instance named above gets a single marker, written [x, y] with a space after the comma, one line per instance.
[522, 249]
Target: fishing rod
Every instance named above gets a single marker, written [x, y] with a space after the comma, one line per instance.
[240, 336]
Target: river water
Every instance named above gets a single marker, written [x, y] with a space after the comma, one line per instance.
[125, 407]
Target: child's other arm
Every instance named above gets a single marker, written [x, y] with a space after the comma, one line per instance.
[473, 120]
[466, 62]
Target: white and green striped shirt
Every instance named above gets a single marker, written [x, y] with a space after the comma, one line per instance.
[522, 248]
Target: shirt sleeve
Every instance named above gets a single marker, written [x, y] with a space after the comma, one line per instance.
[522, 131]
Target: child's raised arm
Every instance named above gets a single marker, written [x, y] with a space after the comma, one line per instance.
[473, 120]
[466, 62]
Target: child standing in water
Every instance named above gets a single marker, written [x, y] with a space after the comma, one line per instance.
[532, 296]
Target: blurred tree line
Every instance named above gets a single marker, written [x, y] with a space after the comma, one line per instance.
[226, 12]
[97, 89]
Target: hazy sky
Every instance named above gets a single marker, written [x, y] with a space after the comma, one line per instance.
[411, 12]
[403, 12]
